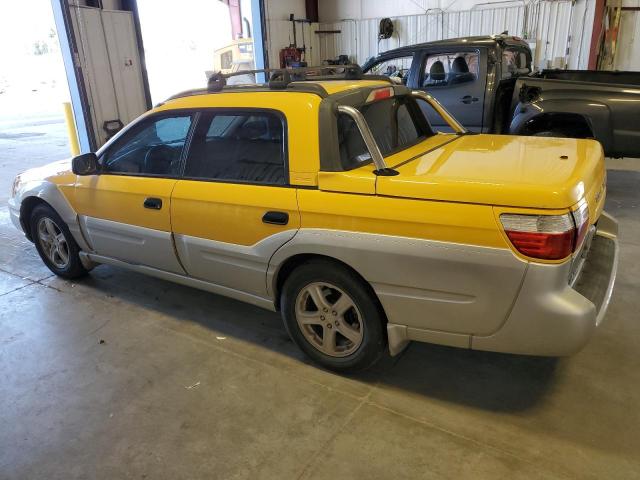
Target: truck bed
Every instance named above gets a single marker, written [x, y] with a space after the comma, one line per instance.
[591, 76]
[580, 104]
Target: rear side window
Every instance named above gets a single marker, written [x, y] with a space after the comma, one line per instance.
[353, 151]
[396, 123]
[515, 62]
[245, 147]
[446, 69]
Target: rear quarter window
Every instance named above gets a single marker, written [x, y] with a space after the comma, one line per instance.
[515, 62]
[396, 123]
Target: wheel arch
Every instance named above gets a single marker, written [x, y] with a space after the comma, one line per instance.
[48, 193]
[27, 206]
[574, 124]
[287, 267]
[592, 118]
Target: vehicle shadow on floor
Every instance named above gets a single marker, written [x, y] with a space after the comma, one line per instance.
[483, 380]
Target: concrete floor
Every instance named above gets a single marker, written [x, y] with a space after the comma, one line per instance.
[124, 376]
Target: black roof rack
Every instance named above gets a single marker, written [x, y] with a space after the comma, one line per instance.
[279, 78]
[284, 78]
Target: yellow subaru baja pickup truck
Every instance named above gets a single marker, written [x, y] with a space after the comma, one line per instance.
[333, 201]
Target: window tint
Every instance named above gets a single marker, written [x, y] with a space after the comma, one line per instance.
[353, 151]
[450, 69]
[219, 125]
[514, 63]
[152, 148]
[394, 124]
[244, 147]
[396, 68]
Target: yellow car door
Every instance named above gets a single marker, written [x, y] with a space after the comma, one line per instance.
[234, 207]
[125, 209]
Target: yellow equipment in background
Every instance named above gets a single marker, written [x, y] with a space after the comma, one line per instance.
[234, 57]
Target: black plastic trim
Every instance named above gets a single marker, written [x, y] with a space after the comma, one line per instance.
[386, 172]
[328, 127]
[153, 203]
[275, 218]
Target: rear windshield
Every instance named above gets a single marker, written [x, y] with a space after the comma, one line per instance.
[396, 123]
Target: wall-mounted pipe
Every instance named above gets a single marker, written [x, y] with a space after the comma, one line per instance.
[483, 4]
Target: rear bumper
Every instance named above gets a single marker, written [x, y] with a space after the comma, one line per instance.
[550, 316]
[598, 275]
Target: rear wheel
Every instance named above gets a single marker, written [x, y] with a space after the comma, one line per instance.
[55, 244]
[332, 316]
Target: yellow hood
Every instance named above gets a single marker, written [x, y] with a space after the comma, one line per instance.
[55, 169]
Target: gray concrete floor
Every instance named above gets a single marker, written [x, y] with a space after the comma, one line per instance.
[124, 376]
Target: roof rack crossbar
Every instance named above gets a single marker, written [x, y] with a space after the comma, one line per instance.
[284, 78]
[280, 78]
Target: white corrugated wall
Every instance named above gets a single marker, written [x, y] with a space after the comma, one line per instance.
[628, 54]
[545, 24]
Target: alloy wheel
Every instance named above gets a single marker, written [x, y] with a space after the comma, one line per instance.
[53, 243]
[329, 319]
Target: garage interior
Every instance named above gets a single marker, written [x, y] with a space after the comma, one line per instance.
[120, 375]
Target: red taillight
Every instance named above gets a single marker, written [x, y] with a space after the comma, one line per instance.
[380, 94]
[549, 237]
[549, 246]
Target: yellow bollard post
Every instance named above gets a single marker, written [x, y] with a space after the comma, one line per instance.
[71, 129]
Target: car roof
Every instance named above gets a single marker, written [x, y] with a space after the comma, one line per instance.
[322, 88]
[477, 41]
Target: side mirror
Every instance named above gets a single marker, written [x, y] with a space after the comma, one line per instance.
[85, 164]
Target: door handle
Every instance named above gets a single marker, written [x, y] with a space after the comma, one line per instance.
[276, 218]
[153, 203]
[468, 99]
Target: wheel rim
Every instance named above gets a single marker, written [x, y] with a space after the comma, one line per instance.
[53, 243]
[329, 319]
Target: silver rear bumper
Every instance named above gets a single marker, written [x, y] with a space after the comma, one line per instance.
[598, 274]
[553, 317]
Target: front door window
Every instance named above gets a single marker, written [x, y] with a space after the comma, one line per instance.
[396, 68]
[151, 148]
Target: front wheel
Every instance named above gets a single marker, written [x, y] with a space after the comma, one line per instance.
[55, 244]
[332, 315]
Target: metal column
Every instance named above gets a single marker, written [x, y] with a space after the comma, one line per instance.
[77, 90]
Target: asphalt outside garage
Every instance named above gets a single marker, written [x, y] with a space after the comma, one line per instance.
[125, 376]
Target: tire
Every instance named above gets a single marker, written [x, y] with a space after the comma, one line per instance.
[551, 133]
[349, 316]
[60, 255]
